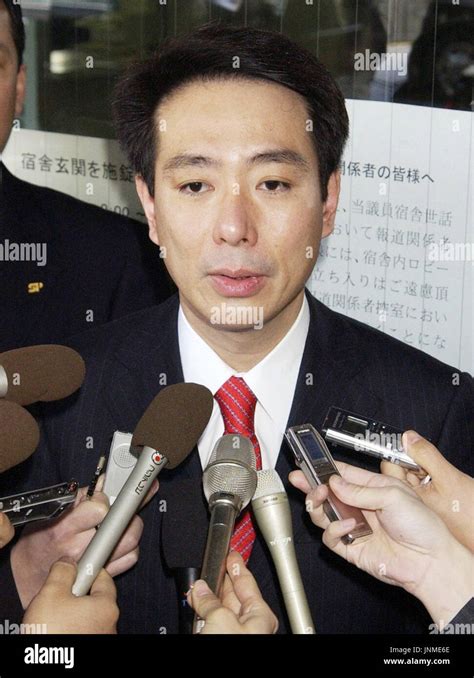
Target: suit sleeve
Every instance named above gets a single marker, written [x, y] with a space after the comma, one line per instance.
[456, 440]
[465, 615]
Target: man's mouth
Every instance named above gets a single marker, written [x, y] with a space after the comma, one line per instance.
[237, 283]
[237, 274]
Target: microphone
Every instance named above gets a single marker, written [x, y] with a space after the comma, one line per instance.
[40, 373]
[272, 512]
[19, 435]
[168, 431]
[183, 539]
[229, 482]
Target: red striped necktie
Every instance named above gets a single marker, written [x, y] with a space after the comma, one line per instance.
[237, 403]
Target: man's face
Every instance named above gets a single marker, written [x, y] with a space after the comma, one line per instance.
[12, 80]
[237, 204]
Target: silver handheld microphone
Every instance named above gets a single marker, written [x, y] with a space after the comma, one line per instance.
[166, 434]
[272, 513]
[229, 482]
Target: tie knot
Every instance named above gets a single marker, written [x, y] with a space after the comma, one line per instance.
[237, 403]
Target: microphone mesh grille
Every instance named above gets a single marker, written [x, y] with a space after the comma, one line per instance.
[268, 482]
[231, 468]
[236, 447]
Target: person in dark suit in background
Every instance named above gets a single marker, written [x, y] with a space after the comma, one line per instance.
[92, 266]
[239, 191]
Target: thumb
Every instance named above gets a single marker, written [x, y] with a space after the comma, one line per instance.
[203, 601]
[104, 586]
[426, 455]
[62, 574]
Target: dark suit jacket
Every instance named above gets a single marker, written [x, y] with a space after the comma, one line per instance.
[345, 363]
[96, 260]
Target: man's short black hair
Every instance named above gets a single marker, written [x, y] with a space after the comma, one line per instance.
[217, 51]
[17, 28]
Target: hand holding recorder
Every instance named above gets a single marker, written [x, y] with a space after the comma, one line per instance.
[450, 493]
[410, 546]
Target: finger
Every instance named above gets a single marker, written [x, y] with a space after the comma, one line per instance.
[129, 540]
[335, 531]
[62, 575]
[228, 597]
[371, 498]
[254, 611]
[124, 563]
[7, 530]
[104, 587]
[298, 480]
[240, 576]
[88, 513]
[314, 505]
[202, 600]
[361, 476]
[414, 480]
[393, 470]
[426, 455]
[150, 494]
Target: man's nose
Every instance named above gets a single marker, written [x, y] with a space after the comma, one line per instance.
[235, 223]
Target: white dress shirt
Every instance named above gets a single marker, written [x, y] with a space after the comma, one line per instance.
[273, 381]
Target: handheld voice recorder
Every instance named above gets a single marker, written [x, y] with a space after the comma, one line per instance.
[369, 436]
[120, 464]
[43, 504]
[316, 462]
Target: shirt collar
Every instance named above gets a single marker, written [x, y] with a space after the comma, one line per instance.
[269, 379]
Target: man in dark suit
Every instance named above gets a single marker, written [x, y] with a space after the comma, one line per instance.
[232, 194]
[88, 265]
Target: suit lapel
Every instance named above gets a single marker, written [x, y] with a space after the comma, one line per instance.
[147, 362]
[331, 373]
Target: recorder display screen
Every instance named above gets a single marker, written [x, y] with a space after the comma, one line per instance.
[353, 425]
[312, 446]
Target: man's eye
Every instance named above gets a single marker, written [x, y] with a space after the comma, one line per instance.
[193, 187]
[275, 186]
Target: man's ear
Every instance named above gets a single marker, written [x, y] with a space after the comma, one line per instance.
[330, 205]
[20, 90]
[148, 204]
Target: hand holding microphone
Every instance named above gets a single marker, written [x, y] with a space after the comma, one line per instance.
[42, 544]
[61, 612]
[242, 609]
[166, 434]
[229, 482]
